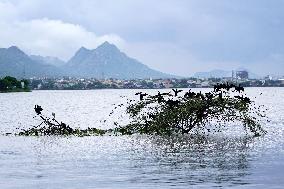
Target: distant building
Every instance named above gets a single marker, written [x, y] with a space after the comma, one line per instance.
[242, 75]
[268, 77]
[22, 84]
[282, 81]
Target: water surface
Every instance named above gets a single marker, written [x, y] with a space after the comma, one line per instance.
[139, 161]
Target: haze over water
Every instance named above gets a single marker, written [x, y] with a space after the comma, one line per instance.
[133, 161]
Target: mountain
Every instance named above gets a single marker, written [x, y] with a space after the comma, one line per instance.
[213, 74]
[108, 61]
[48, 60]
[224, 73]
[14, 62]
[79, 57]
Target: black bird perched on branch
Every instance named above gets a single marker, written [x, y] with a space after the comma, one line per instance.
[160, 97]
[166, 94]
[209, 96]
[141, 95]
[218, 87]
[38, 109]
[189, 94]
[176, 91]
[230, 86]
[200, 95]
[226, 86]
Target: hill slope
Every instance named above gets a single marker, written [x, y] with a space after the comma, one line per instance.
[108, 61]
[16, 63]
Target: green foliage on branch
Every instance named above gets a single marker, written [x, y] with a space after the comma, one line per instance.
[169, 113]
[50, 126]
[165, 113]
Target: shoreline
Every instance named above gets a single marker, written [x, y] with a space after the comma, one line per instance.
[16, 91]
[148, 88]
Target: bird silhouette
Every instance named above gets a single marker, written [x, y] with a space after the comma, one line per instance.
[200, 95]
[141, 95]
[219, 87]
[166, 94]
[176, 91]
[228, 86]
[38, 109]
[189, 94]
[160, 97]
[209, 96]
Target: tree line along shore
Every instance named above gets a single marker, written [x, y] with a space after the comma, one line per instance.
[11, 84]
[70, 83]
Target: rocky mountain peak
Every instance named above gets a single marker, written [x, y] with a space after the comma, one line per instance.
[108, 47]
[15, 50]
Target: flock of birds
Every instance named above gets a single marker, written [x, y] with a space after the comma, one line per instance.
[174, 102]
[160, 97]
[175, 99]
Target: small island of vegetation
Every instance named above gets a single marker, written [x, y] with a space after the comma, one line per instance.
[11, 84]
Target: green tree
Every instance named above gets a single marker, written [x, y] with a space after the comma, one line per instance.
[13, 82]
[3, 85]
[165, 113]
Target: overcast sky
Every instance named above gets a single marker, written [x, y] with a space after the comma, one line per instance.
[174, 36]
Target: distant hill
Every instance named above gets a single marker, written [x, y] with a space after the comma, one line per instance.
[106, 61]
[213, 74]
[109, 62]
[48, 60]
[223, 73]
[16, 63]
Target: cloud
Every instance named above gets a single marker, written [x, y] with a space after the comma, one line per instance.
[179, 37]
[51, 37]
[174, 59]
[7, 10]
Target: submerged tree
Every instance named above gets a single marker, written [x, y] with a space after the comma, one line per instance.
[50, 126]
[167, 113]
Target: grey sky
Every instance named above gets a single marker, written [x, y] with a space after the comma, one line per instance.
[174, 36]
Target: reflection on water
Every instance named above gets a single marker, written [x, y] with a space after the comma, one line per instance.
[198, 160]
[134, 161]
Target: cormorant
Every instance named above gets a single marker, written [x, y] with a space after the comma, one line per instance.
[141, 95]
[176, 91]
[38, 109]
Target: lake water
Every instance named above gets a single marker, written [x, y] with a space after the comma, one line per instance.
[133, 161]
